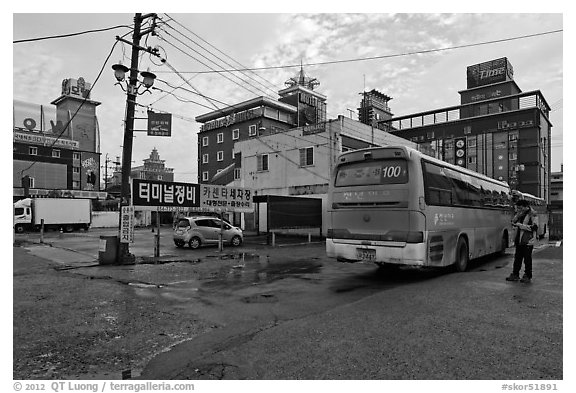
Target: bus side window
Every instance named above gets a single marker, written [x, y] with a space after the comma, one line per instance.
[438, 187]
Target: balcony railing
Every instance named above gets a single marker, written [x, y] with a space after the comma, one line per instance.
[533, 99]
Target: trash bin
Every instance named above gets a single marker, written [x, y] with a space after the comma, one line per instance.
[108, 250]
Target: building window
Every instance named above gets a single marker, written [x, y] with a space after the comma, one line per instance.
[76, 185]
[220, 137]
[252, 130]
[75, 156]
[307, 156]
[235, 134]
[159, 177]
[205, 141]
[56, 153]
[33, 151]
[31, 182]
[220, 156]
[75, 169]
[142, 175]
[262, 162]
[236, 173]
[204, 158]
[472, 160]
[512, 156]
[204, 176]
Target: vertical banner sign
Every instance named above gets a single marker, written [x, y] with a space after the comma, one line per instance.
[127, 225]
[159, 124]
[218, 198]
[460, 155]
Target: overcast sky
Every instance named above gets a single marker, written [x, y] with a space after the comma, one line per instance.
[417, 82]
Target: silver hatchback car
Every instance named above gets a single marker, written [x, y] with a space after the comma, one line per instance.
[203, 230]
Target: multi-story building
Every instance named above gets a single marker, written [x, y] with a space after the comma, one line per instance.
[153, 169]
[298, 105]
[56, 150]
[374, 108]
[557, 187]
[497, 129]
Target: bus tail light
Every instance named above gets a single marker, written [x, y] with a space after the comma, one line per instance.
[404, 236]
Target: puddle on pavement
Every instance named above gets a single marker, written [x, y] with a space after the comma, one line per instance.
[232, 271]
[255, 269]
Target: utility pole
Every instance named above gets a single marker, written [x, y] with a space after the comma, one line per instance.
[124, 256]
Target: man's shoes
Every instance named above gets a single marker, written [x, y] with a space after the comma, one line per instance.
[513, 277]
[526, 280]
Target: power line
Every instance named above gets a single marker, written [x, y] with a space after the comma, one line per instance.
[71, 34]
[79, 106]
[225, 62]
[380, 57]
[203, 63]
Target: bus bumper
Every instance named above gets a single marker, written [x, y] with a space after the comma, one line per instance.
[413, 254]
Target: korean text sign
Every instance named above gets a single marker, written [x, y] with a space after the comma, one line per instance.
[127, 225]
[158, 193]
[226, 198]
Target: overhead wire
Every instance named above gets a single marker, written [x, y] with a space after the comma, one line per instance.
[382, 56]
[79, 106]
[71, 34]
[272, 86]
[200, 61]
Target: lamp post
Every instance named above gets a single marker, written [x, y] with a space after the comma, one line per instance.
[132, 86]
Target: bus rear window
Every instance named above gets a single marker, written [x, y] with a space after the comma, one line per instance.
[372, 173]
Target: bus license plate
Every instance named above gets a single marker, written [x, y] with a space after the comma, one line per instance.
[366, 254]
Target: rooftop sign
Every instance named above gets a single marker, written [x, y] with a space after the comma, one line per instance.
[489, 72]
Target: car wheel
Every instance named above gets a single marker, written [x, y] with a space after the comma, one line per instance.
[194, 243]
[179, 243]
[236, 241]
[461, 256]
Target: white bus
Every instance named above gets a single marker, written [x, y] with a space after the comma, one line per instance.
[395, 205]
[539, 206]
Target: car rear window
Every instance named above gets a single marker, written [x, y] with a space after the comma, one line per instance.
[183, 223]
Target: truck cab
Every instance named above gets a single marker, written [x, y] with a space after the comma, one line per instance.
[22, 215]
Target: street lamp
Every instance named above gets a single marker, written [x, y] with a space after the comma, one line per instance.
[148, 79]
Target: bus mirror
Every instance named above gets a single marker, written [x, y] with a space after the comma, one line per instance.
[422, 203]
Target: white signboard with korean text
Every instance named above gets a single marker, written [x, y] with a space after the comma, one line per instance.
[224, 198]
[127, 224]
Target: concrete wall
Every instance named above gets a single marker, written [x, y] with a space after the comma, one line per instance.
[111, 219]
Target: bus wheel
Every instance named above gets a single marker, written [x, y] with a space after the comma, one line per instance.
[461, 256]
[504, 245]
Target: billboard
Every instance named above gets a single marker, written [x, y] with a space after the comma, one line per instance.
[90, 171]
[215, 197]
[489, 72]
[150, 193]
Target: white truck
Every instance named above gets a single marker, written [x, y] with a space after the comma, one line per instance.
[66, 214]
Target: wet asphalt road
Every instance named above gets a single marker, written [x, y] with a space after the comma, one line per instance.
[257, 312]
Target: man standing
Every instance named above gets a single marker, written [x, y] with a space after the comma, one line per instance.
[526, 223]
